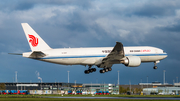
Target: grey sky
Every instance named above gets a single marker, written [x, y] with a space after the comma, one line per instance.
[89, 23]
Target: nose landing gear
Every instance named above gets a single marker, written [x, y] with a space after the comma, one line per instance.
[155, 63]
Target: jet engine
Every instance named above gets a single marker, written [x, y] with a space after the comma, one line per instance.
[132, 61]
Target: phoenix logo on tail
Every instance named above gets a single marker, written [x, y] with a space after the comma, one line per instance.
[33, 40]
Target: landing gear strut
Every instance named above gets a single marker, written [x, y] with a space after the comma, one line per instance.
[90, 70]
[155, 63]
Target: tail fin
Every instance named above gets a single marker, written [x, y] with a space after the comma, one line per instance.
[35, 41]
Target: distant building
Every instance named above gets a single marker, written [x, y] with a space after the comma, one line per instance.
[162, 91]
[177, 84]
[41, 86]
[153, 83]
[93, 88]
[54, 87]
[156, 84]
[148, 85]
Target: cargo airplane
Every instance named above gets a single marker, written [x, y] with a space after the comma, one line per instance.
[102, 57]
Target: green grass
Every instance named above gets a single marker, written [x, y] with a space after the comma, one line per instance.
[34, 96]
[89, 95]
[113, 95]
[42, 97]
[62, 99]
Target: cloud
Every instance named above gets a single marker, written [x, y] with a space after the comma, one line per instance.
[172, 28]
[155, 9]
[97, 18]
[90, 23]
[21, 5]
[71, 20]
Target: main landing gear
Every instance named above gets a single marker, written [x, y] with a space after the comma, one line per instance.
[155, 63]
[90, 70]
[105, 70]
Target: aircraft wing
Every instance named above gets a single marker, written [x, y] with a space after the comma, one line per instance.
[114, 56]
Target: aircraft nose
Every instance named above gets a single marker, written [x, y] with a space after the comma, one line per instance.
[165, 55]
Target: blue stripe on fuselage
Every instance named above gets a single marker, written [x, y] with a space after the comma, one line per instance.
[92, 56]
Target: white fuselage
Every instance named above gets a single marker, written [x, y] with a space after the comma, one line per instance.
[102, 57]
[92, 56]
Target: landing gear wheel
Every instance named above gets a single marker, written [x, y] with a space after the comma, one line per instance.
[90, 70]
[109, 69]
[86, 71]
[94, 69]
[102, 71]
[155, 67]
[106, 70]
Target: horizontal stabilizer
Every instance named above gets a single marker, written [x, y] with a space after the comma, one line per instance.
[15, 53]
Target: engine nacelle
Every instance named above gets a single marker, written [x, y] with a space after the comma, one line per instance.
[132, 61]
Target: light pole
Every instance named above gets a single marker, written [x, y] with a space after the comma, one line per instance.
[91, 87]
[177, 79]
[118, 77]
[147, 81]
[141, 84]
[104, 86]
[68, 76]
[75, 84]
[118, 80]
[130, 85]
[16, 77]
[164, 77]
[16, 80]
